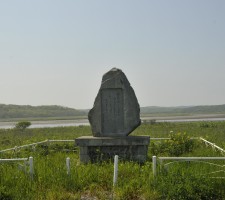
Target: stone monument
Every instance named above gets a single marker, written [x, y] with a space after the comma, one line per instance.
[115, 114]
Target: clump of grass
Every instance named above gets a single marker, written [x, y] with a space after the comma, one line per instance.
[182, 182]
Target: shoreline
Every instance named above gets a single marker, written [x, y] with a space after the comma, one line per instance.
[84, 122]
[197, 116]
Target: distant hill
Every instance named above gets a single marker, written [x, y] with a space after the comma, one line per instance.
[59, 112]
[26, 111]
[184, 110]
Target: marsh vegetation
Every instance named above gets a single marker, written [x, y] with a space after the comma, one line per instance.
[180, 181]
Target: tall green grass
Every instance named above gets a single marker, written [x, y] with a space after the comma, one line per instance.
[178, 181]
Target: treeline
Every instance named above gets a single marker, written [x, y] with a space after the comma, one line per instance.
[210, 109]
[27, 111]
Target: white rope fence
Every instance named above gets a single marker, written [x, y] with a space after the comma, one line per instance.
[23, 146]
[51, 141]
[212, 144]
[161, 159]
[34, 144]
[29, 161]
[154, 158]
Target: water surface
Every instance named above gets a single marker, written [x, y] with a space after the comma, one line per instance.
[85, 122]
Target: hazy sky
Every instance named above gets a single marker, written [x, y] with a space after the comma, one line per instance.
[56, 51]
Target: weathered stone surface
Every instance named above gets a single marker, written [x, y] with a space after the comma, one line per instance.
[98, 149]
[116, 111]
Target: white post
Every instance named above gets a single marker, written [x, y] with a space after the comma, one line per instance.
[31, 165]
[68, 165]
[115, 170]
[154, 165]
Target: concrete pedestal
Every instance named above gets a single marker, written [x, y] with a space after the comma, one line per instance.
[97, 149]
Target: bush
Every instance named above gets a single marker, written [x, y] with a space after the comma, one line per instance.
[208, 125]
[22, 125]
[179, 144]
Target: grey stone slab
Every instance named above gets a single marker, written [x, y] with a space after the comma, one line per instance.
[98, 149]
[112, 111]
[85, 158]
[112, 141]
[115, 114]
[116, 111]
[83, 150]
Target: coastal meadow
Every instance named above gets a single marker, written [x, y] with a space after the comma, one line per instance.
[181, 180]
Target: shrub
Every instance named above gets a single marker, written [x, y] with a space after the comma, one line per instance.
[208, 124]
[179, 144]
[22, 125]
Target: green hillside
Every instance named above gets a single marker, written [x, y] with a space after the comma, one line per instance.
[184, 110]
[26, 111]
[60, 112]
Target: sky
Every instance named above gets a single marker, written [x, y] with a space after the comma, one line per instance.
[55, 52]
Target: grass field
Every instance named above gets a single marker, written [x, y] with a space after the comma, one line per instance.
[94, 181]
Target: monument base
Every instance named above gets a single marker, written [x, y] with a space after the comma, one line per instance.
[98, 149]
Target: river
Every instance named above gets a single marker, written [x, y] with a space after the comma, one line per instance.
[85, 122]
[48, 124]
